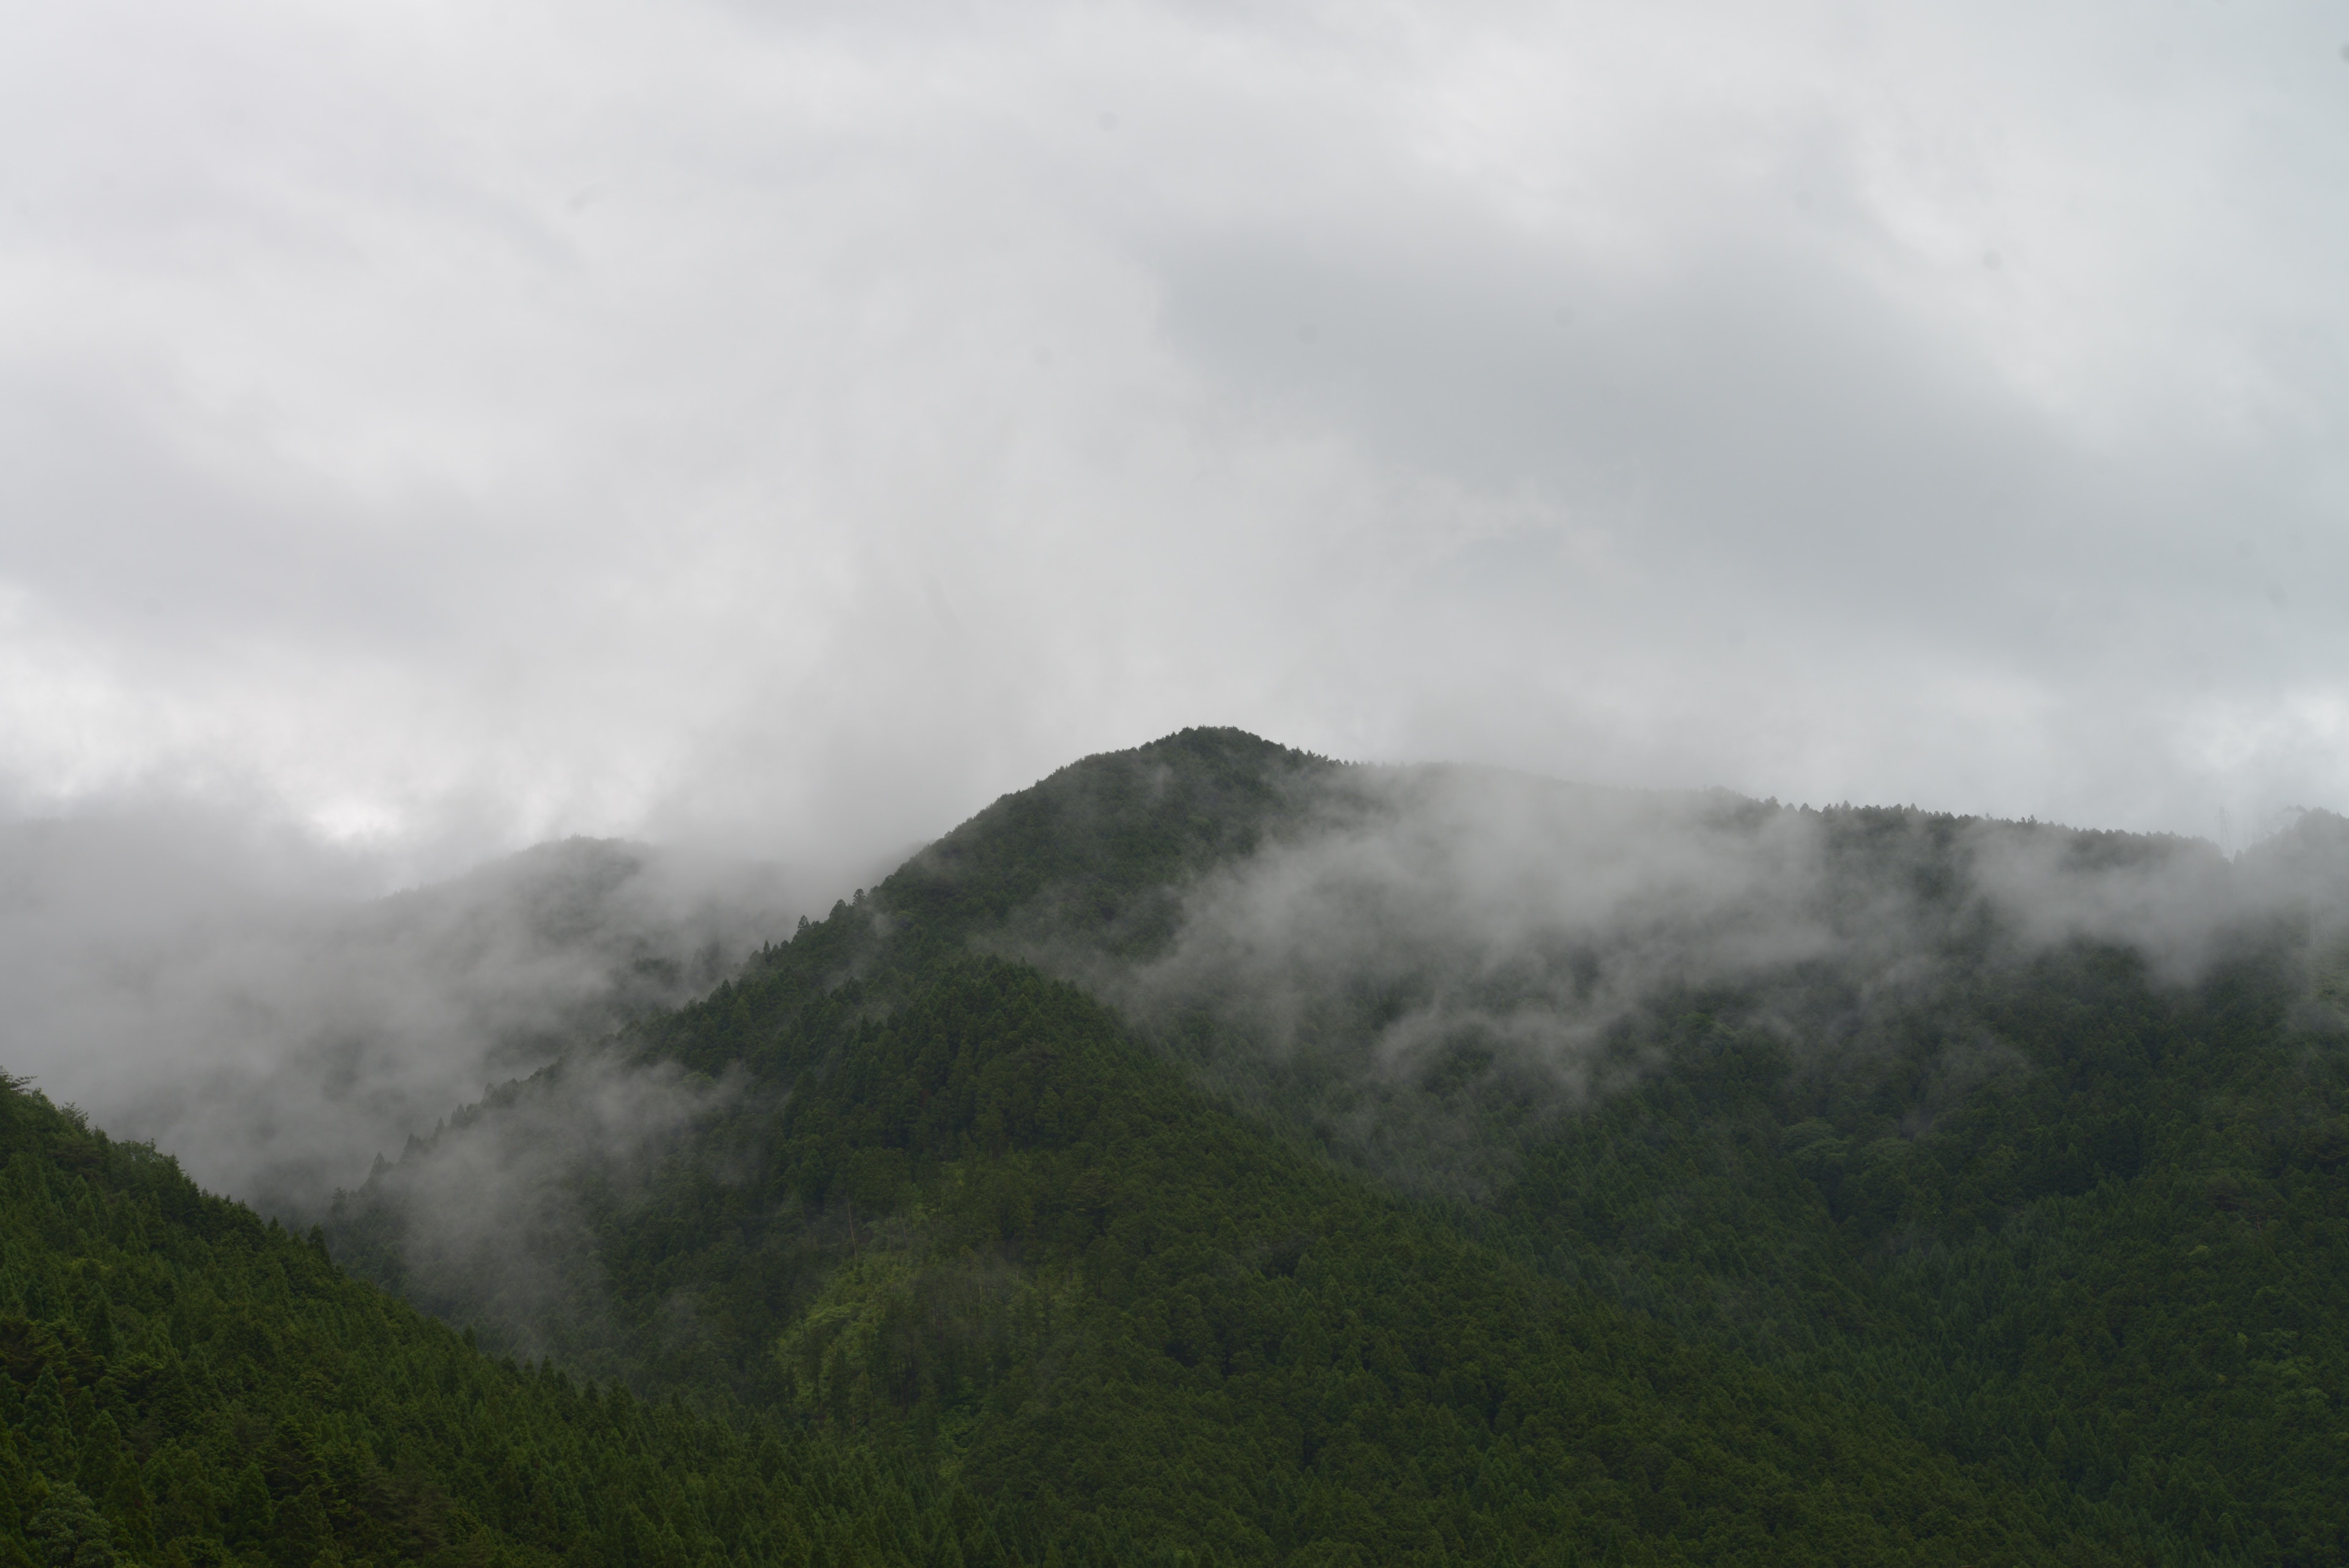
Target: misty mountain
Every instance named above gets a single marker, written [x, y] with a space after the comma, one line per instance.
[182, 1383]
[2026, 1140]
[274, 1029]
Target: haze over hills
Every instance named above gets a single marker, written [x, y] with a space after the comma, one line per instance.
[1777, 1077]
[727, 446]
[274, 1028]
[1216, 1150]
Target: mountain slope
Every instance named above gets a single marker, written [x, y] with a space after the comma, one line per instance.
[185, 1385]
[273, 1030]
[1063, 1275]
[1229, 1341]
[1960, 1172]
[2117, 1272]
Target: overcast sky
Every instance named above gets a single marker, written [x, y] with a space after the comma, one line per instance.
[437, 427]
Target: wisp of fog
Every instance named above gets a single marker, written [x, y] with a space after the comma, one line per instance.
[251, 1011]
[1429, 956]
[1425, 967]
[491, 1218]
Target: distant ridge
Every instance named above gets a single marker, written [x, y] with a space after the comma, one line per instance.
[1063, 1159]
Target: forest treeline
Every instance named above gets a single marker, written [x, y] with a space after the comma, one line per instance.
[984, 1221]
[188, 1384]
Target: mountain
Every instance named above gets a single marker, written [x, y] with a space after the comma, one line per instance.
[1218, 1147]
[251, 1012]
[187, 1385]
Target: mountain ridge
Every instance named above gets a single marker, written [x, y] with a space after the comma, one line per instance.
[1220, 1152]
[2031, 932]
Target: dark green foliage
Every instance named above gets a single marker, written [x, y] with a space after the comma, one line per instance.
[67, 1532]
[194, 1387]
[2012, 1249]
[1103, 844]
[2114, 1270]
[1010, 1244]
[1101, 849]
[1097, 1294]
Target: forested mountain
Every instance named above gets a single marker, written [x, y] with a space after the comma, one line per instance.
[1216, 1150]
[189, 1386]
[274, 1029]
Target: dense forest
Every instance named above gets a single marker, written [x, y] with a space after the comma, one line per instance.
[188, 1384]
[1219, 1154]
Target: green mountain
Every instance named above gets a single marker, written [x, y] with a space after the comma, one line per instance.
[188, 990]
[186, 1385]
[1216, 1153]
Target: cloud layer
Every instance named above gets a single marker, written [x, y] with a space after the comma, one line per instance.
[213, 994]
[790, 427]
[1421, 961]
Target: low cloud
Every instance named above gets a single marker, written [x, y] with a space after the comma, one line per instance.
[1537, 910]
[241, 999]
[492, 1220]
[778, 422]
[1428, 954]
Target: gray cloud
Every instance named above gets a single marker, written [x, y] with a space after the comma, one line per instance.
[1496, 903]
[1427, 957]
[775, 432]
[243, 1003]
[787, 428]
[492, 1221]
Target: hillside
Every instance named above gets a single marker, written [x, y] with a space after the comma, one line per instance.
[1921, 1176]
[187, 1385]
[273, 1028]
[1000, 1236]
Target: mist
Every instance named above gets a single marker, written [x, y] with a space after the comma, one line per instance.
[252, 1003]
[1428, 969]
[1433, 948]
[1427, 957]
[665, 422]
[783, 431]
[490, 1221]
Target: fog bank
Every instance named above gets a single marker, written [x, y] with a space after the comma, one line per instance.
[492, 1221]
[242, 1001]
[1432, 957]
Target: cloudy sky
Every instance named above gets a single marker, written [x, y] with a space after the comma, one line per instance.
[429, 428]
